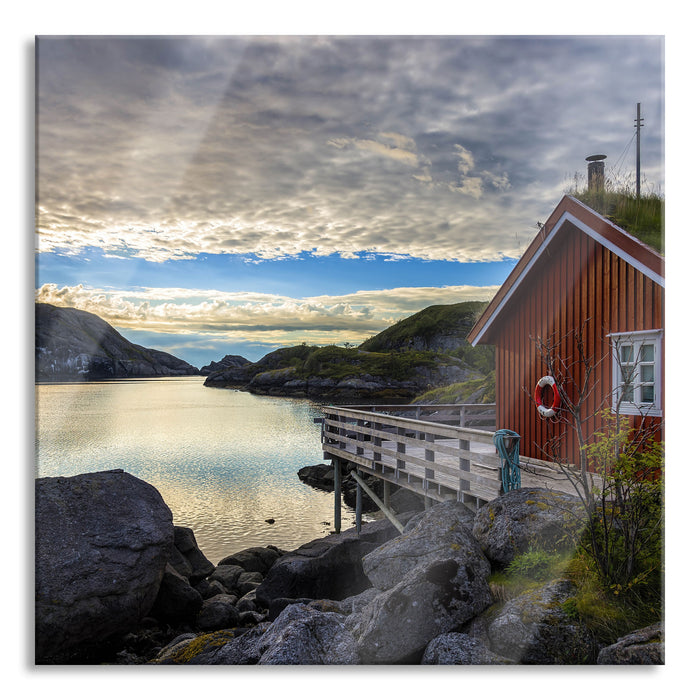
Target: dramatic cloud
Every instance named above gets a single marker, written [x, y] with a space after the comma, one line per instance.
[434, 147]
[269, 319]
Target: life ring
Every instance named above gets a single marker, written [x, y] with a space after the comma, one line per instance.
[547, 411]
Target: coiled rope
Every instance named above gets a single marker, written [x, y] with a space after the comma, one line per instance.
[510, 458]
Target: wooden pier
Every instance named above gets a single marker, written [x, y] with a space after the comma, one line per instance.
[442, 452]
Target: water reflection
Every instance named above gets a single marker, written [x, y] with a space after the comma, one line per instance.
[224, 461]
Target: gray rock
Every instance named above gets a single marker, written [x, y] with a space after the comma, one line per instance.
[534, 628]
[436, 597]
[227, 575]
[442, 532]
[250, 617]
[518, 520]
[102, 542]
[208, 589]
[356, 603]
[218, 613]
[319, 476]
[247, 602]
[329, 567]
[196, 566]
[277, 605]
[249, 581]
[644, 646]
[258, 559]
[456, 649]
[177, 601]
[301, 635]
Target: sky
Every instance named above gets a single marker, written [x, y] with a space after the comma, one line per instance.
[212, 195]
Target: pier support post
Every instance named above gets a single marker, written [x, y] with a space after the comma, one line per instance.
[336, 484]
[358, 508]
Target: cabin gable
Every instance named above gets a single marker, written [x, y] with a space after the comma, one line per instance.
[580, 276]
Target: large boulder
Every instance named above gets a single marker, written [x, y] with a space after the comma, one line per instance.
[537, 628]
[644, 646]
[524, 518]
[442, 532]
[436, 597]
[301, 635]
[329, 567]
[102, 542]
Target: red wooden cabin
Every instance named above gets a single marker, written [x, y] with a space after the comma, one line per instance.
[581, 273]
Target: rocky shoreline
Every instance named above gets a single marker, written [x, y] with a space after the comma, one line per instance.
[118, 583]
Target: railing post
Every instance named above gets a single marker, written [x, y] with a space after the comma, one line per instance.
[401, 450]
[342, 432]
[430, 457]
[336, 484]
[465, 468]
[377, 442]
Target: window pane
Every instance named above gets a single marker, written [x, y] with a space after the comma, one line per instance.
[647, 373]
[625, 353]
[647, 394]
[628, 394]
[647, 353]
[628, 375]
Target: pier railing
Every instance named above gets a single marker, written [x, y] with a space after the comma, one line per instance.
[481, 416]
[435, 456]
[441, 452]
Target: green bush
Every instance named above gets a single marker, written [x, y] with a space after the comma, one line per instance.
[535, 564]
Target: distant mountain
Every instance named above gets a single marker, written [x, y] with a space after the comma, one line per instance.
[71, 344]
[423, 352]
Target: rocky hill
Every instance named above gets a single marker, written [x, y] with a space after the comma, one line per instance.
[440, 328]
[226, 362]
[71, 345]
[425, 351]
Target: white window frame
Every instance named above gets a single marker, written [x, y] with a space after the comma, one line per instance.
[635, 340]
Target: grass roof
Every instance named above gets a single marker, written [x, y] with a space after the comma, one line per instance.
[643, 218]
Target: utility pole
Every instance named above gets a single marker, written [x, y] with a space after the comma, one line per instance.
[638, 123]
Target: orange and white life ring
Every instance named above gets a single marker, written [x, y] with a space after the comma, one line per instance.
[547, 411]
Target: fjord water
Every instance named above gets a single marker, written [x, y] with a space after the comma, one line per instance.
[224, 461]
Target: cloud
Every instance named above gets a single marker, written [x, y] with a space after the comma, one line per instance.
[439, 147]
[266, 318]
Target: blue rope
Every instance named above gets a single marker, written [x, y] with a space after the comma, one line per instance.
[510, 458]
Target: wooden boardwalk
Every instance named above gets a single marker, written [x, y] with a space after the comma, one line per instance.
[441, 456]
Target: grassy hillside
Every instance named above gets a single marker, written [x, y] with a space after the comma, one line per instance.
[430, 324]
[426, 350]
[474, 391]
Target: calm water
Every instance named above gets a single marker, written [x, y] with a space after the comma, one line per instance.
[224, 461]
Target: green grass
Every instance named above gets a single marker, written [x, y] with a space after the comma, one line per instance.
[643, 217]
[333, 362]
[462, 391]
[607, 615]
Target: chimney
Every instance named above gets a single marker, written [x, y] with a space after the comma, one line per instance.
[596, 173]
